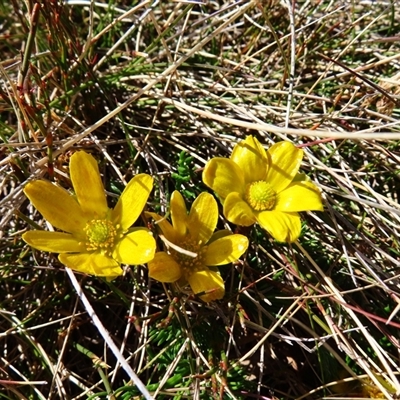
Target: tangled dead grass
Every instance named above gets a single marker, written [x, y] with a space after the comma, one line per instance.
[161, 87]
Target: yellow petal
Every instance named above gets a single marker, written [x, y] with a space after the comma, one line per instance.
[238, 211]
[223, 176]
[219, 234]
[92, 263]
[132, 201]
[166, 228]
[164, 268]
[282, 226]
[284, 160]
[178, 213]
[57, 206]
[53, 242]
[251, 158]
[203, 218]
[87, 184]
[137, 247]
[299, 196]
[209, 282]
[226, 250]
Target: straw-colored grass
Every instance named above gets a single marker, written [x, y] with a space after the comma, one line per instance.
[161, 87]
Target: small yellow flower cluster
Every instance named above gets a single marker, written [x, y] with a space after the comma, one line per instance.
[261, 186]
[253, 186]
[193, 250]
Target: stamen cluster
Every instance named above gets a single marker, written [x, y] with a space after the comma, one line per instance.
[260, 195]
[100, 235]
[188, 263]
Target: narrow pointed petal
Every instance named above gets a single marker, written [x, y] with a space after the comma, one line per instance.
[87, 184]
[209, 282]
[137, 247]
[299, 196]
[92, 263]
[53, 242]
[284, 160]
[251, 158]
[237, 211]
[179, 214]
[164, 268]
[226, 250]
[132, 201]
[223, 176]
[203, 218]
[57, 206]
[166, 228]
[282, 226]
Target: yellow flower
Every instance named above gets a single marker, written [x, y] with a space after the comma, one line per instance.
[264, 187]
[192, 250]
[97, 238]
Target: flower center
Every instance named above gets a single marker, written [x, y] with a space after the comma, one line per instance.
[100, 235]
[188, 263]
[260, 196]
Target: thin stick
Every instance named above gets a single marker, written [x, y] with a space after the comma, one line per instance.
[107, 338]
